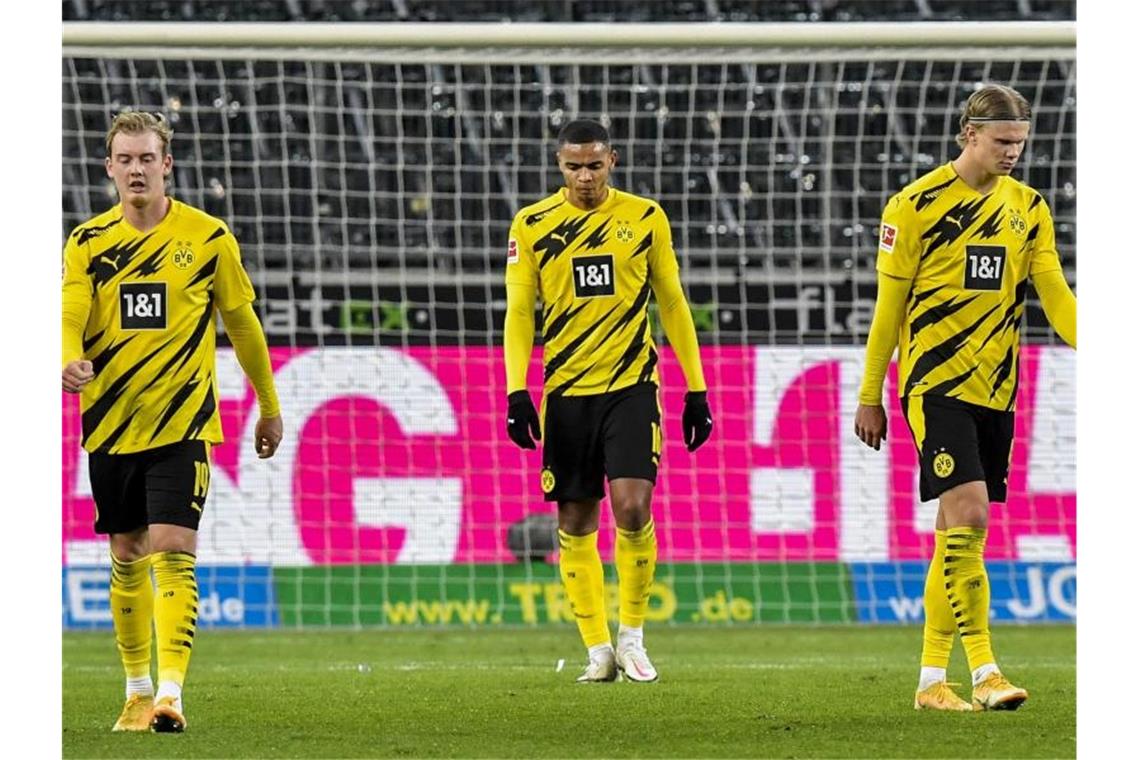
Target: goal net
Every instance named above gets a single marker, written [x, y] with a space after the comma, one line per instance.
[371, 188]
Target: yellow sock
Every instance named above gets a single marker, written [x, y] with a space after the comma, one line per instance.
[583, 577]
[968, 589]
[938, 630]
[175, 613]
[636, 558]
[132, 611]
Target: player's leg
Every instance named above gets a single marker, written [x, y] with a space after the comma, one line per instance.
[178, 479]
[120, 511]
[572, 476]
[992, 690]
[632, 429]
[933, 691]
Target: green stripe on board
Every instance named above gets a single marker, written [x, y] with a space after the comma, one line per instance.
[532, 594]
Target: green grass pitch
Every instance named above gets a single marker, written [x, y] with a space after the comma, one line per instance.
[748, 691]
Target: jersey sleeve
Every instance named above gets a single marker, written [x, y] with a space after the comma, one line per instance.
[232, 287]
[77, 297]
[662, 257]
[522, 264]
[900, 242]
[1044, 257]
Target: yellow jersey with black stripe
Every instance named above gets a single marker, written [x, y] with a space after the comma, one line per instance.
[150, 330]
[970, 257]
[593, 271]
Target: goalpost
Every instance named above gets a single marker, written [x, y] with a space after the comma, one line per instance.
[370, 173]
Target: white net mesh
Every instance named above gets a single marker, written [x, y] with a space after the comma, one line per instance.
[372, 200]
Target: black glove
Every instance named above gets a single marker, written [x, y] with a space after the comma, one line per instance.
[696, 421]
[521, 416]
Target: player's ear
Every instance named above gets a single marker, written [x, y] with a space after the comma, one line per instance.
[107, 164]
[167, 164]
[613, 158]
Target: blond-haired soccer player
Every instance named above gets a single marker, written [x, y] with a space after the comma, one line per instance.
[141, 285]
[593, 253]
[957, 249]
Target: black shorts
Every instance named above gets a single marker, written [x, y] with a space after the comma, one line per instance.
[959, 442]
[163, 485]
[587, 439]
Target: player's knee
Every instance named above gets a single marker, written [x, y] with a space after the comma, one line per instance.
[966, 505]
[128, 547]
[631, 512]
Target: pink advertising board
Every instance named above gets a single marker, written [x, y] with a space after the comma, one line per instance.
[400, 455]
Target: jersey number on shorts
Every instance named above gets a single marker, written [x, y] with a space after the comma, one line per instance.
[142, 305]
[201, 479]
[593, 276]
[984, 267]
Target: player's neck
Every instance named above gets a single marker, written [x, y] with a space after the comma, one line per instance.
[149, 216]
[587, 205]
[974, 175]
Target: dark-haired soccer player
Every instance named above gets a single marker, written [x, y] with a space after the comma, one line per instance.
[957, 248]
[141, 285]
[593, 253]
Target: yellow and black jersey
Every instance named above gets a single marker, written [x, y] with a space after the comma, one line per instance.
[970, 257]
[150, 330]
[593, 271]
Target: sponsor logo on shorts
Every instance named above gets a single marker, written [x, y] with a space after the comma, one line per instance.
[943, 465]
[887, 234]
[512, 251]
[547, 480]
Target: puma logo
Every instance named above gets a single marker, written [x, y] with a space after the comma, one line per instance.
[957, 222]
[559, 238]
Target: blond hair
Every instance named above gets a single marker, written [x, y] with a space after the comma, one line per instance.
[137, 123]
[993, 102]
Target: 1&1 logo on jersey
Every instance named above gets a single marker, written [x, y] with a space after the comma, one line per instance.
[593, 275]
[142, 305]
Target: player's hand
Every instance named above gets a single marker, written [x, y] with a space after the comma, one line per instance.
[522, 420]
[871, 424]
[696, 420]
[267, 436]
[77, 374]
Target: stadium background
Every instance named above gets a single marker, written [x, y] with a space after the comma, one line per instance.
[372, 198]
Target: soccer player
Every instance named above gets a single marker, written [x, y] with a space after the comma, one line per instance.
[593, 253]
[141, 285]
[957, 248]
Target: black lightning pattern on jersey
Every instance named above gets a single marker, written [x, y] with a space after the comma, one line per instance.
[153, 385]
[83, 234]
[151, 264]
[925, 197]
[968, 256]
[943, 352]
[953, 224]
[112, 262]
[597, 339]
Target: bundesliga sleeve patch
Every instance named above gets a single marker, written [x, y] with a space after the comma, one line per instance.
[887, 235]
[512, 251]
